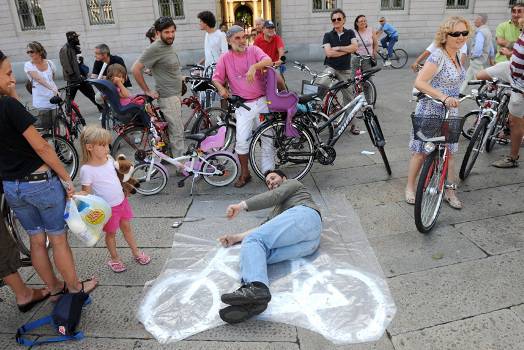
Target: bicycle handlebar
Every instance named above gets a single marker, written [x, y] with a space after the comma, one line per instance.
[237, 102]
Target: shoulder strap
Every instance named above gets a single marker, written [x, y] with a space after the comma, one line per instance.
[39, 323]
[363, 43]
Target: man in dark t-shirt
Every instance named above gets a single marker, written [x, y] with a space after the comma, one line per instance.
[338, 45]
[103, 55]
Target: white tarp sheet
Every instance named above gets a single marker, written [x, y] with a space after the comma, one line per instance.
[339, 292]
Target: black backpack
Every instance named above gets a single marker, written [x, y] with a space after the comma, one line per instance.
[64, 318]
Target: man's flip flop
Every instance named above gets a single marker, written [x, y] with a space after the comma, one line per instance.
[37, 297]
[236, 314]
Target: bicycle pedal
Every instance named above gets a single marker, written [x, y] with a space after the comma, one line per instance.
[181, 183]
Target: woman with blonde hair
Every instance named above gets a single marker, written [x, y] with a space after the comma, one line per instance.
[441, 78]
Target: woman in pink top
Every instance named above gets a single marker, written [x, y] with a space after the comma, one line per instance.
[367, 42]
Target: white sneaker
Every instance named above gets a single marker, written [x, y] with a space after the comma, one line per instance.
[387, 63]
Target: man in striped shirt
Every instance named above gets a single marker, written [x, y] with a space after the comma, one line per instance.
[513, 73]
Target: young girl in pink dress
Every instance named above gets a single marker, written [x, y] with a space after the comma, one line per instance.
[98, 176]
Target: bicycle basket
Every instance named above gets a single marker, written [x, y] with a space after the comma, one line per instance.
[308, 88]
[435, 126]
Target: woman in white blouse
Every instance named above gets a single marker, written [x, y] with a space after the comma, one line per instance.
[41, 73]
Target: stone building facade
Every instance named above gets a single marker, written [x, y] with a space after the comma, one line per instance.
[121, 24]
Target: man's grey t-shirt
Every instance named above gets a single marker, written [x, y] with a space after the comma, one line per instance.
[163, 61]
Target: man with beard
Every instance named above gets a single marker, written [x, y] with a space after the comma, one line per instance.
[71, 69]
[291, 231]
[242, 67]
[162, 59]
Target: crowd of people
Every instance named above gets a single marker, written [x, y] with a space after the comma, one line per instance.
[36, 184]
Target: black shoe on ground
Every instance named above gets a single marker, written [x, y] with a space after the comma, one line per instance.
[239, 313]
[251, 293]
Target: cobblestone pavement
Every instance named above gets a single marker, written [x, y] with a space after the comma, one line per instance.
[460, 287]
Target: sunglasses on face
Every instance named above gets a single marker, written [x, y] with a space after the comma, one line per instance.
[29, 52]
[457, 34]
[337, 19]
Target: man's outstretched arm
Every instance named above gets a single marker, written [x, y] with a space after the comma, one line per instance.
[232, 239]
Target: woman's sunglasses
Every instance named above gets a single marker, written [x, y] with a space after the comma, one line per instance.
[457, 34]
[337, 19]
[29, 52]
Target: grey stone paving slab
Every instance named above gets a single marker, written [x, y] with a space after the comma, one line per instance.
[450, 293]
[384, 219]
[10, 317]
[519, 311]
[93, 262]
[484, 175]
[376, 193]
[365, 174]
[9, 343]
[171, 202]
[205, 345]
[251, 330]
[110, 315]
[498, 330]
[412, 251]
[311, 341]
[496, 235]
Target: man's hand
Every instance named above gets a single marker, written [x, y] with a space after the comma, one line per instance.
[152, 93]
[251, 74]
[505, 51]
[229, 240]
[277, 63]
[233, 210]
[223, 93]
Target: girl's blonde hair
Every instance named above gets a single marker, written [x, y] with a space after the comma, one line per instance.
[93, 135]
[116, 70]
[446, 27]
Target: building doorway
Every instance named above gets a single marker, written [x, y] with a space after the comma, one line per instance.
[244, 14]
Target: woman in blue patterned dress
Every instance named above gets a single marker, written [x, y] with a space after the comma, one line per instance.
[440, 78]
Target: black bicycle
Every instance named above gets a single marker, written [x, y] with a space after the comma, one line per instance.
[295, 150]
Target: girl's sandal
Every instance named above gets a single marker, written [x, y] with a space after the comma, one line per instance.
[143, 259]
[116, 266]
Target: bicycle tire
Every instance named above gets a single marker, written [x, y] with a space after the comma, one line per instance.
[313, 119]
[223, 162]
[430, 175]
[399, 58]
[14, 230]
[281, 143]
[473, 150]
[370, 91]
[131, 142]
[66, 152]
[469, 122]
[377, 137]
[156, 180]
[209, 118]
[502, 117]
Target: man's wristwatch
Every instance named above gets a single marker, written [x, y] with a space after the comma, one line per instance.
[243, 205]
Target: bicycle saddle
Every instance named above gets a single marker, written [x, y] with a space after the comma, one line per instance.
[306, 98]
[196, 137]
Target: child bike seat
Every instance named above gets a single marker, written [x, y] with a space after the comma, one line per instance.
[285, 101]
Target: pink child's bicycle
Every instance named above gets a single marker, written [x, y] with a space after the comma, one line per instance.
[218, 168]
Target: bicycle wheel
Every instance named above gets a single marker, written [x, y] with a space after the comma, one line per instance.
[209, 118]
[16, 232]
[65, 151]
[370, 91]
[377, 137]
[152, 179]
[500, 126]
[473, 150]
[133, 143]
[315, 119]
[293, 155]
[222, 162]
[430, 192]
[399, 58]
[469, 122]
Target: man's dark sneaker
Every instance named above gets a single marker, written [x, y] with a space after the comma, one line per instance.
[240, 313]
[251, 293]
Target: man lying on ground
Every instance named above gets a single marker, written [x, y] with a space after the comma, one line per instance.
[291, 231]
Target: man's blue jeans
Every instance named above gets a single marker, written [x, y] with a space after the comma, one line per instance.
[293, 234]
[389, 42]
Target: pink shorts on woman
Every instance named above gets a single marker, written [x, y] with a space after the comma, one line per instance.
[123, 211]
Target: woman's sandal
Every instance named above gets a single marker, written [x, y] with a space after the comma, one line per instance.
[453, 201]
[354, 130]
[242, 181]
[410, 197]
[37, 297]
[90, 290]
[55, 296]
